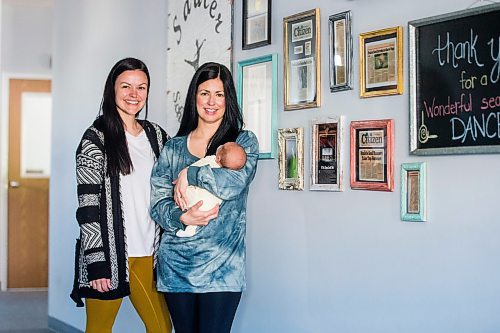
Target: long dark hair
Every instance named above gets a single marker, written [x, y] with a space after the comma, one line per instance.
[232, 121]
[110, 122]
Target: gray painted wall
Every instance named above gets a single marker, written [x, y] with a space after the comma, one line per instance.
[25, 52]
[26, 37]
[317, 262]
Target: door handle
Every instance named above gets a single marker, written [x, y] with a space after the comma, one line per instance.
[14, 184]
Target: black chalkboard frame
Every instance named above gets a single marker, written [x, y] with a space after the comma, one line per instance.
[418, 129]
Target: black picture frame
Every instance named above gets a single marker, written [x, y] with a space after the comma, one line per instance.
[256, 23]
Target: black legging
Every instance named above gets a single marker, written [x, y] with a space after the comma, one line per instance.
[203, 312]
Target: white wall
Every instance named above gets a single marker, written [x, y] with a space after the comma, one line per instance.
[317, 262]
[26, 36]
[25, 52]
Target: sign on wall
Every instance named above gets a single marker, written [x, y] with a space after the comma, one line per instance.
[455, 82]
[198, 31]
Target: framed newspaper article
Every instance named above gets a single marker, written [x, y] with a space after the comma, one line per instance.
[256, 23]
[381, 62]
[291, 158]
[301, 42]
[340, 51]
[258, 100]
[372, 155]
[413, 192]
[326, 154]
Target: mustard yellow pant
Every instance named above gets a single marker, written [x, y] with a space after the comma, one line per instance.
[149, 304]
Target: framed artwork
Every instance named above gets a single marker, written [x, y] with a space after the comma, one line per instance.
[413, 192]
[291, 158]
[381, 62]
[372, 155]
[340, 51]
[188, 47]
[258, 99]
[326, 154]
[301, 42]
[455, 82]
[256, 23]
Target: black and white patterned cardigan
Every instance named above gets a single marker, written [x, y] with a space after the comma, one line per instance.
[101, 250]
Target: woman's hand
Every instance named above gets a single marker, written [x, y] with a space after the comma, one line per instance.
[101, 285]
[195, 216]
[181, 184]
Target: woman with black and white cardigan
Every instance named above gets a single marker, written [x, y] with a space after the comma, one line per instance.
[116, 250]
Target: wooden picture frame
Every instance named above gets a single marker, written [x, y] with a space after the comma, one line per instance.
[454, 99]
[340, 51]
[302, 53]
[381, 62]
[256, 23]
[291, 158]
[413, 192]
[258, 99]
[372, 155]
[326, 154]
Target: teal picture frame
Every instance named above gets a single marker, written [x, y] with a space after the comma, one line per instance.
[257, 94]
[413, 192]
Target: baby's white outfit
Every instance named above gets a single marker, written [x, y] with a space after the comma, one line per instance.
[195, 194]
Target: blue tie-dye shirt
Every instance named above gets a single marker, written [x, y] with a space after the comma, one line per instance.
[213, 260]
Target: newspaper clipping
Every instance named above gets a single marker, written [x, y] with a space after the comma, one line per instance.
[371, 155]
[302, 31]
[327, 162]
[302, 80]
[381, 63]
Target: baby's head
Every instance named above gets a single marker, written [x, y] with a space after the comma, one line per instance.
[231, 155]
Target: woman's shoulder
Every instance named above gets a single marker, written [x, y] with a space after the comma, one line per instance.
[94, 134]
[177, 140]
[92, 141]
[176, 143]
[247, 136]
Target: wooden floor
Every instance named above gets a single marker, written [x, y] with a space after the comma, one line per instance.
[24, 312]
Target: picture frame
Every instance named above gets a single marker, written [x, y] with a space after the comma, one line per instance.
[257, 20]
[413, 192]
[372, 154]
[453, 103]
[340, 51]
[381, 62]
[291, 158]
[257, 94]
[326, 154]
[302, 67]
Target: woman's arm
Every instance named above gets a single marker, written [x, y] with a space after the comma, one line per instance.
[225, 183]
[164, 211]
[89, 176]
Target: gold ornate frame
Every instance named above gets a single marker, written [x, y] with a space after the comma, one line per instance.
[381, 62]
[302, 65]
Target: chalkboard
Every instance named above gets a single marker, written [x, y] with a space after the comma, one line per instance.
[455, 82]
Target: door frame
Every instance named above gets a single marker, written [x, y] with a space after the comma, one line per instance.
[4, 163]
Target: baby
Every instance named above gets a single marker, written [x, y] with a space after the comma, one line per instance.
[231, 156]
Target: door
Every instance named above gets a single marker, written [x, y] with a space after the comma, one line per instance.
[30, 109]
